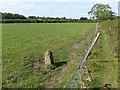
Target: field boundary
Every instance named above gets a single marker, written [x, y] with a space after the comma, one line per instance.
[73, 81]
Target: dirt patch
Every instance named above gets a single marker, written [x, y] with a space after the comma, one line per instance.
[34, 62]
[77, 45]
[72, 55]
[38, 65]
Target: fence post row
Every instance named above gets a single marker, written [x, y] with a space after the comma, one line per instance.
[78, 72]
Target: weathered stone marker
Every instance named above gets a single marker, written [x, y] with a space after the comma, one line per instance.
[48, 58]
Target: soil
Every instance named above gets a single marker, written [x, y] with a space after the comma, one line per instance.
[38, 65]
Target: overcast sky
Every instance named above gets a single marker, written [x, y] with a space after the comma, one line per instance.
[54, 8]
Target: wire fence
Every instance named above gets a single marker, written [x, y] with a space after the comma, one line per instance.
[74, 80]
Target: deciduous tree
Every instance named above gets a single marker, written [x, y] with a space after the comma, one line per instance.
[101, 12]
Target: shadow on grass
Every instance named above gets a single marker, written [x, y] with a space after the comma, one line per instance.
[60, 63]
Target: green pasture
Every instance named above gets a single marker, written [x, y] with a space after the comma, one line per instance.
[23, 44]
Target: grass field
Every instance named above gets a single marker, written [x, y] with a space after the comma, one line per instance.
[24, 44]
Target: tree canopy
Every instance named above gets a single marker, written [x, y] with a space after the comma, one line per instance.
[12, 16]
[18, 18]
[101, 12]
[83, 18]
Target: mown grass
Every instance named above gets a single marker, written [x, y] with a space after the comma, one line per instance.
[103, 59]
[25, 43]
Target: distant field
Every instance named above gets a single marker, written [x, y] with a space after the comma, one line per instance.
[24, 44]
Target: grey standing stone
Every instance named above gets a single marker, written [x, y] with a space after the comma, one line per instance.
[48, 58]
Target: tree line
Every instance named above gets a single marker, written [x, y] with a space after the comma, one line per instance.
[18, 18]
[98, 12]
